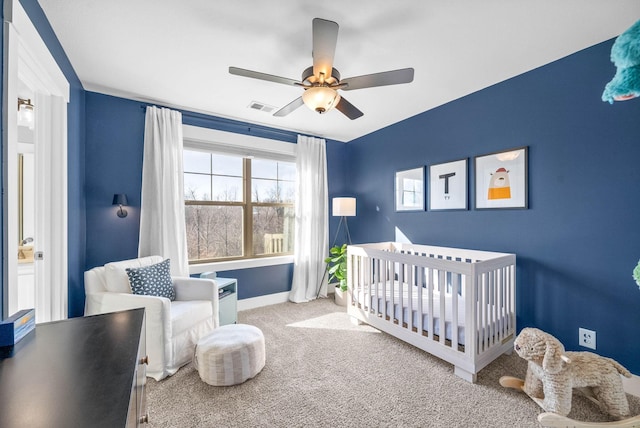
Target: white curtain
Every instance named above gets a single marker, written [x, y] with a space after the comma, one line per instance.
[312, 220]
[162, 224]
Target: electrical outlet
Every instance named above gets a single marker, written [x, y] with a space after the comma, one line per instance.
[587, 338]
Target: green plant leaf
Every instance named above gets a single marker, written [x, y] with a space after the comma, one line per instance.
[337, 265]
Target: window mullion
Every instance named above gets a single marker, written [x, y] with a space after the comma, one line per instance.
[248, 208]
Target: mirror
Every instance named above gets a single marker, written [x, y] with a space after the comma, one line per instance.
[26, 203]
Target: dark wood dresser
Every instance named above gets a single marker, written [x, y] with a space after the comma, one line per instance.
[81, 372]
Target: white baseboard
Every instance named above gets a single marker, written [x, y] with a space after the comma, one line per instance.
[257, 302]
[632, 385]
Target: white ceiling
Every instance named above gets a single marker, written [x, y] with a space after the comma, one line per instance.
[177, 53]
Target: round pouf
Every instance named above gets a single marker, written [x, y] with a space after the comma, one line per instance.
[230, 354]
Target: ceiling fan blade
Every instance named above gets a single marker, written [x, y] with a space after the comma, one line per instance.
[325, 38]
[385, 78]
[263, 76]
[348, 109]
[289, 107]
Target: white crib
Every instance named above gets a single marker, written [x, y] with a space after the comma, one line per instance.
[456, 304]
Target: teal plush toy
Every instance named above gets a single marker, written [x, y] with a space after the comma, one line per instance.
[625, 54]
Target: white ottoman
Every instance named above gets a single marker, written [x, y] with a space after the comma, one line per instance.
[230, 354]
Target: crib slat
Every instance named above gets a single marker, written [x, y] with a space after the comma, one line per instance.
[410, 297]
[481, 301]
[501, 313]
[392, 286]
[470, 321]
[455, 285]
[486, 311]
[374, 283]
[494, 307]
[353, 273]
[512, 299]
[382, 301]
[420, 312]
[490, 325]
[442, 286]
[400, 288]
[430, 321]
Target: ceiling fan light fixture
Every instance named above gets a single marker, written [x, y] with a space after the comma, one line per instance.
[321, 98]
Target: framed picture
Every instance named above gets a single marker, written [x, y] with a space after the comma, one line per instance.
[501, 179]
[410, 190]
[448, 186]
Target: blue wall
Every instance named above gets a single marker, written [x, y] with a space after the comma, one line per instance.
[113, 156]
[261, 281]
[579, 241]
[114, 148]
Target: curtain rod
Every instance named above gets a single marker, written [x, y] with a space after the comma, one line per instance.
[229, 122]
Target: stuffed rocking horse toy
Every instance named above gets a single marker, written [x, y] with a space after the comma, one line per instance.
[552, 375]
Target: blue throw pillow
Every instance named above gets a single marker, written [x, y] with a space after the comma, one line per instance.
[154, 280]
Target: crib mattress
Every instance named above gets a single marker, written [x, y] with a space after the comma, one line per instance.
[399, 308]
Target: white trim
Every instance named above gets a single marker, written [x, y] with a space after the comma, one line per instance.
[248, 145]
[10, 172]
[28, 60]
[239, 264]
[260, 301]
[47, 70]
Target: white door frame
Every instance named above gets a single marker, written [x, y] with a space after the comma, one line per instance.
[27, 59]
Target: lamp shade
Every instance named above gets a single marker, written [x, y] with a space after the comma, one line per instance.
[120, 199]
[321, 98]
[344, 207]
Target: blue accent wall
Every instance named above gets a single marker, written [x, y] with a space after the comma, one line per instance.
[338, 172]
[113, 156]
[579, 241]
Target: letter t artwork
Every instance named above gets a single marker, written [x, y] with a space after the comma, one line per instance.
[446, 177]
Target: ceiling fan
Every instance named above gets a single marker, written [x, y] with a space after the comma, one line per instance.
[321, 81]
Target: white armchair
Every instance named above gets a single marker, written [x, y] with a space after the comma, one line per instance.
[173, 328]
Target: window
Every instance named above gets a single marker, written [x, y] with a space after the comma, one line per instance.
[237, 207]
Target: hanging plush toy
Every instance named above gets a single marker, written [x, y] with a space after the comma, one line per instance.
[625, 54]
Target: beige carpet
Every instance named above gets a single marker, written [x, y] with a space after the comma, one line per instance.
[323, 371]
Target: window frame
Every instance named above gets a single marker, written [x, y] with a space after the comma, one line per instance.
[247, 147]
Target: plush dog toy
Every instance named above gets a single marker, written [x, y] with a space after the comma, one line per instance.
[552, 374]
[625, 54]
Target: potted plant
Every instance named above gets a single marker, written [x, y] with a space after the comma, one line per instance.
[337, 265]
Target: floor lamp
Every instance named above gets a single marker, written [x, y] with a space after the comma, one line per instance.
[343, 208]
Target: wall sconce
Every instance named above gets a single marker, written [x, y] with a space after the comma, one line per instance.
[120, 199]
[25, 113]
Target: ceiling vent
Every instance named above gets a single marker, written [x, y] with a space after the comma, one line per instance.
[261, 106]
